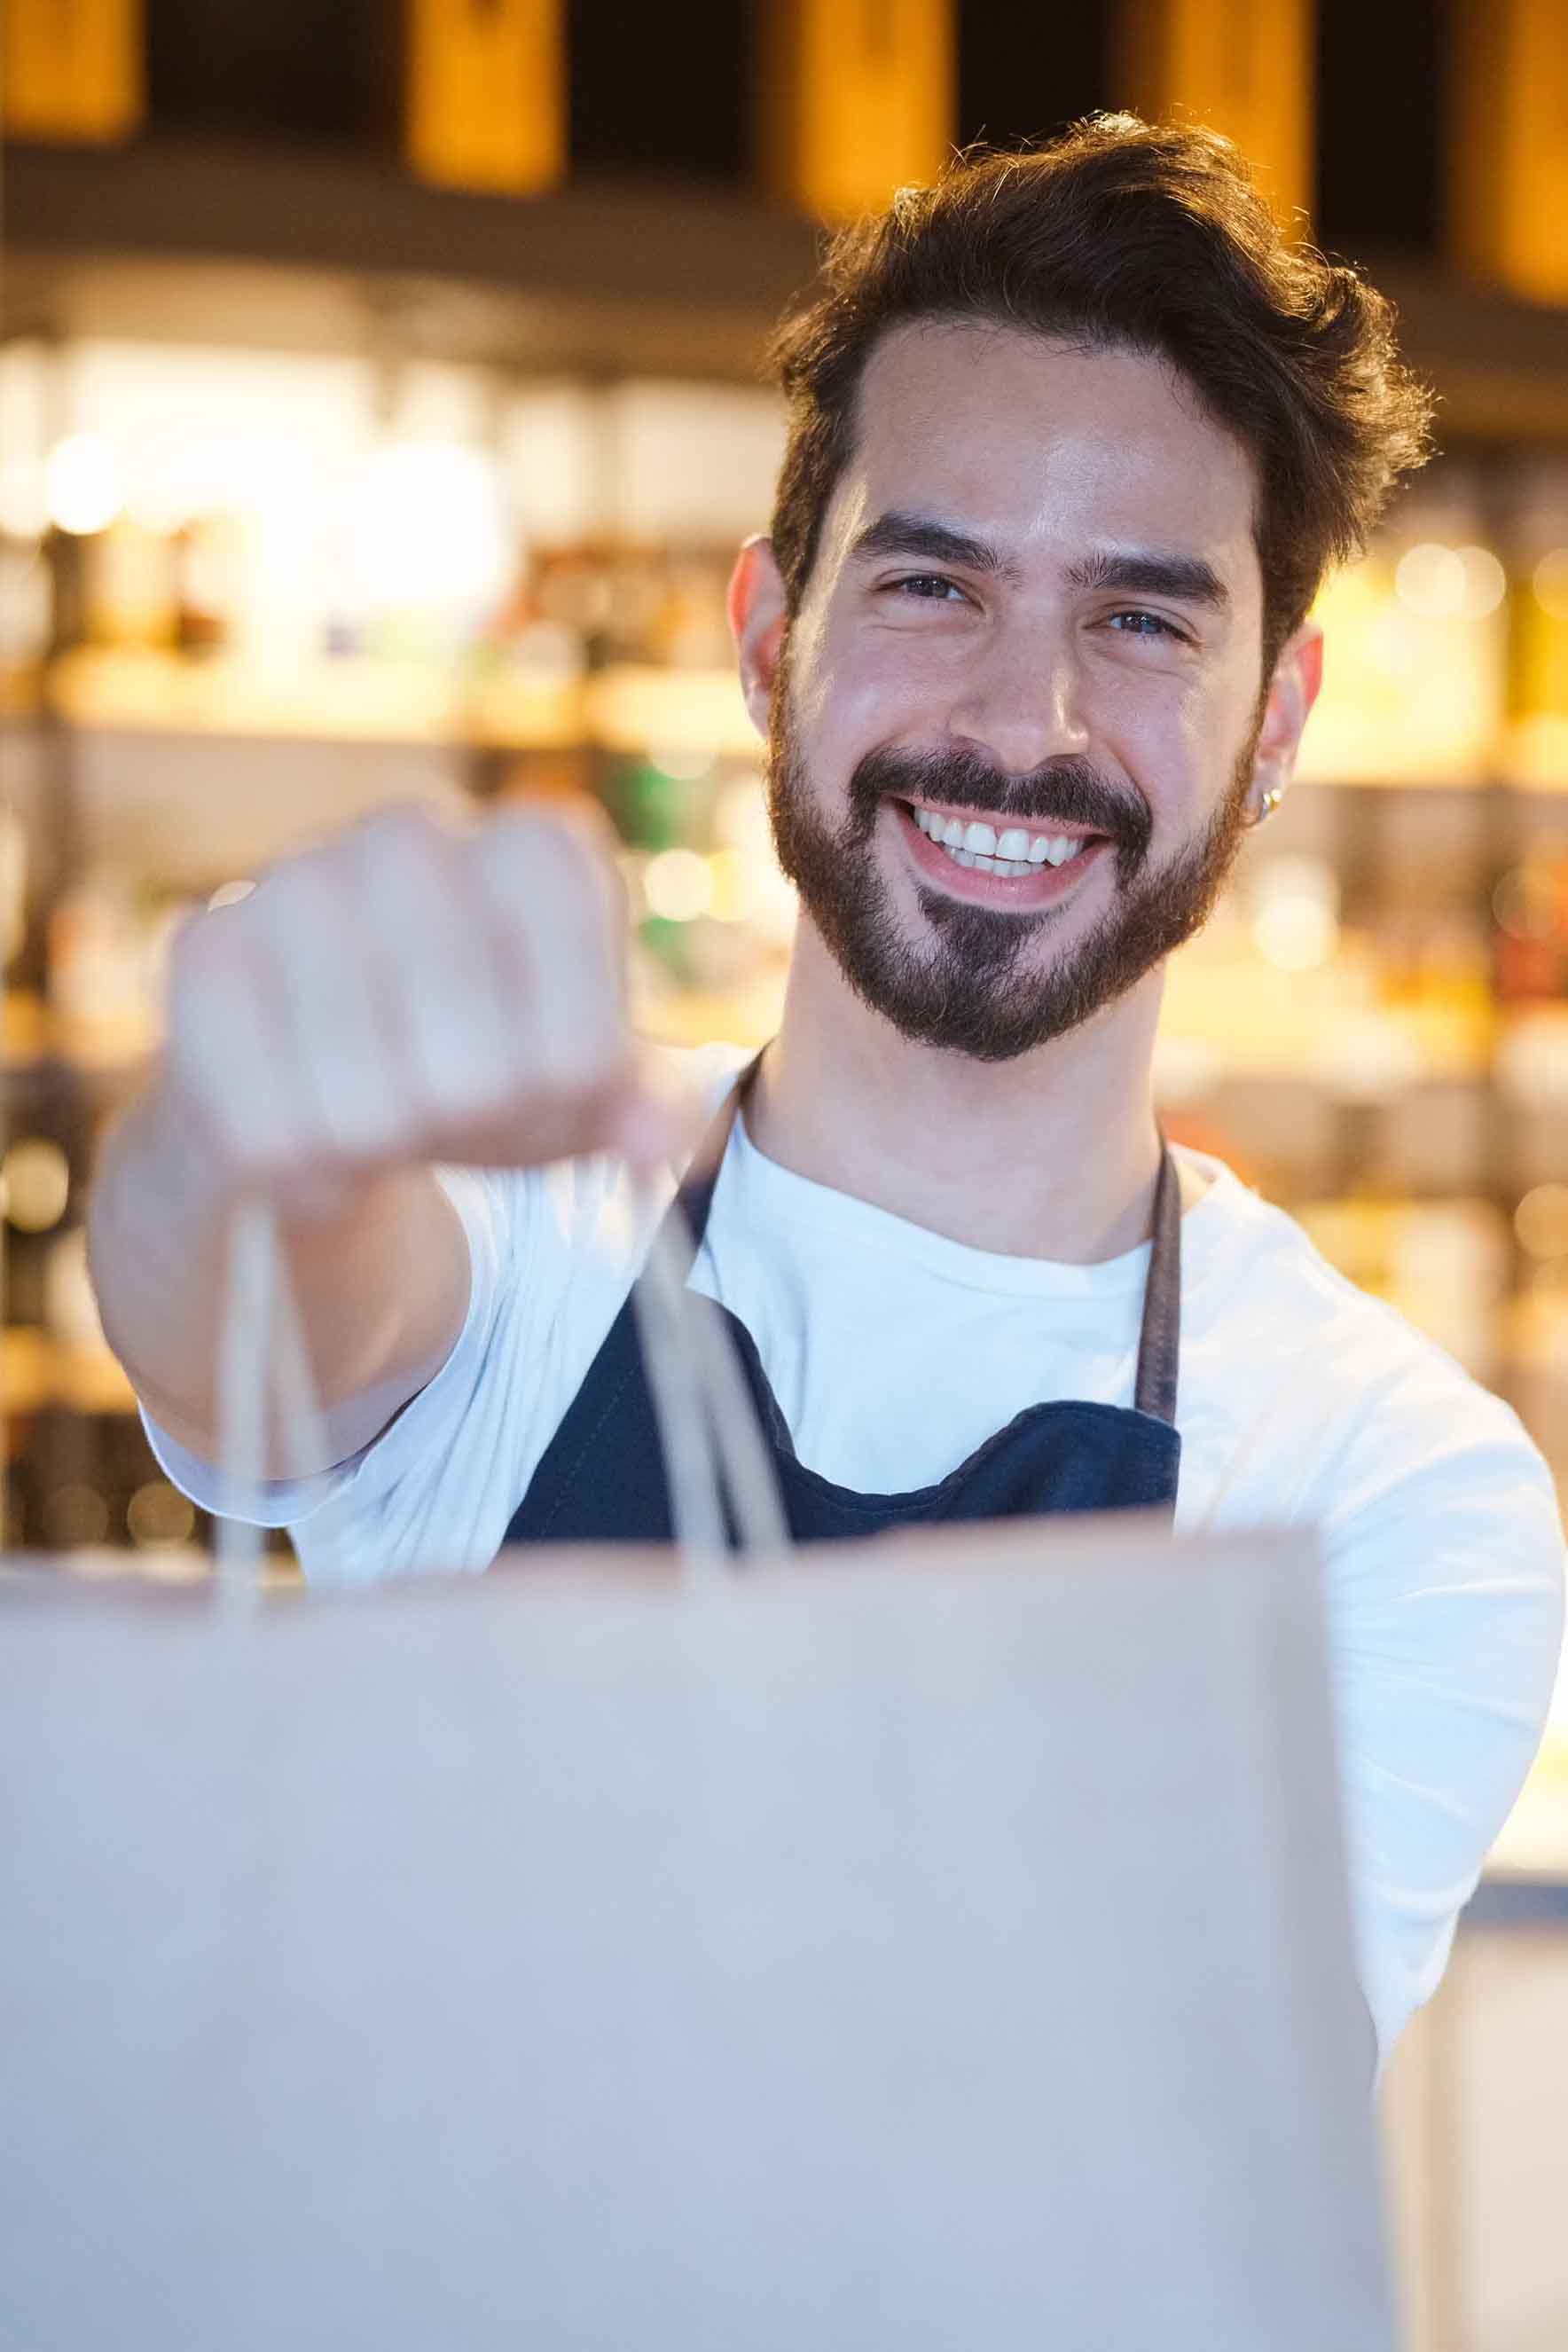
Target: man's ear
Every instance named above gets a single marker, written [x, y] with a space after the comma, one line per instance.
[759, 616]
[1292, 690]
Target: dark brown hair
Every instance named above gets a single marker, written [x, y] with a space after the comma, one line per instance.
[1120, 234]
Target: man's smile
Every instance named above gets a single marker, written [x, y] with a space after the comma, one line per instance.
[996, 865]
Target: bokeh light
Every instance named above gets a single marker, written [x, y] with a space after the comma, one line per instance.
[1550, 582]
[158, 1513]
[688, 764]
[678, 885]
[84, 484]
[1486, 582]
[1430, 581]
[35, 1184]
[1295, 913]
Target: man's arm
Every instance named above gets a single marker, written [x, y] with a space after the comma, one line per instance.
[1444, 1581]
[407, 995]
[383, 1287]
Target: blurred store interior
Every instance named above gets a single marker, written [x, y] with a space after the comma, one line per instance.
[380, 412]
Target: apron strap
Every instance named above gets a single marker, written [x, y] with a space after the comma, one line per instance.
[1160, 1343]
[688, 1215]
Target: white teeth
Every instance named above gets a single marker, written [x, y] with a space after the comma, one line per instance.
[1014, 851]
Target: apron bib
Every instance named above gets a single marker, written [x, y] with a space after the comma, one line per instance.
[602, 1480]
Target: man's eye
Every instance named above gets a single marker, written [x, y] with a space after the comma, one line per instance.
[922, 585]
[1144, 624]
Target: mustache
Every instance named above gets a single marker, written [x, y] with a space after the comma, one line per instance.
[1069, 791]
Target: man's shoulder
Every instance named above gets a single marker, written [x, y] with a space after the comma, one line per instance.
[1263, 1288]
[1246, 1245]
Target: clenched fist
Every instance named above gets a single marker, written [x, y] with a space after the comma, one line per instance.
[412, 990]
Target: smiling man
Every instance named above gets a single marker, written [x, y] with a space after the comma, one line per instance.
[1072, 437]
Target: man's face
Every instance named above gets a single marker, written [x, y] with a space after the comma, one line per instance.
[1036, 609]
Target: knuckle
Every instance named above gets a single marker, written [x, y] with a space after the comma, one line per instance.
[397, 820]
[405, 836]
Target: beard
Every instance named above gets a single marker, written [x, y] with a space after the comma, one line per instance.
[971, 986]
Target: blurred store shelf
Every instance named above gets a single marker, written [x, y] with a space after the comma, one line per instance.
[249, 244]
[363, 702]
[624, 708]
[630, 707]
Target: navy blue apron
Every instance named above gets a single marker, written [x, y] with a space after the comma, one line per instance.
[602, 1478]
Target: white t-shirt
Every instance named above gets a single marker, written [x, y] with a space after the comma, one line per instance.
[894, 1352]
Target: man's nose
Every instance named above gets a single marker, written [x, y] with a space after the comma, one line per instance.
[1019, 704]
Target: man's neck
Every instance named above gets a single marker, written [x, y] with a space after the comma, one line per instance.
[1053, 1155]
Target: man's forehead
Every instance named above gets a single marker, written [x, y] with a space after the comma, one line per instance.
[1011, 437]
[992, 363]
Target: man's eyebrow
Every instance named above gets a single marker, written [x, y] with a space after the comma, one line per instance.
[900, 532]
[1142, 571]
[1189, 579]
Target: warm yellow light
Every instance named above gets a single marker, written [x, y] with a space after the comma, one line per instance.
[687, 767]
[24, 509]
[1295, 912]
[35, 1183]
[736, 894]
[1485, 583]
[678, 885]
[1295, 934]
[1551, 584]
[84, 484]
[428, 525]
[1430, 581]
[741, 816]
[159, 1514]
[1541, 1221]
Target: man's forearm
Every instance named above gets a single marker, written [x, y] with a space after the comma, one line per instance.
[383, 1286]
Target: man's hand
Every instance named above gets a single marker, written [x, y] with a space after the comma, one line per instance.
[411, 992]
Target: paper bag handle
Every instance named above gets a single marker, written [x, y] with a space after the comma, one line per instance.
[707, 1421]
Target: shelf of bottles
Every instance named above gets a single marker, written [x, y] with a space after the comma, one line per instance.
[244, 596]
